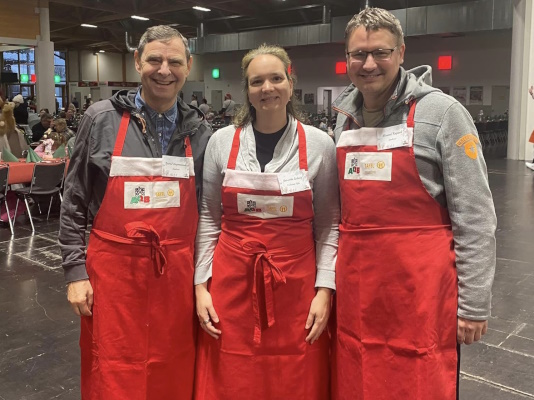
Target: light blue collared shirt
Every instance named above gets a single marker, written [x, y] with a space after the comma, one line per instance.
[165, 124]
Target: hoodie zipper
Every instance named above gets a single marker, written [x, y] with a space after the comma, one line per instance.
[347, 115]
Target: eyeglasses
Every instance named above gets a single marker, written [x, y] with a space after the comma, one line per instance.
[378, 54]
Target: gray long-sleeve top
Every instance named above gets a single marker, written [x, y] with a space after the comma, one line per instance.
[452, 173]
[322, 174]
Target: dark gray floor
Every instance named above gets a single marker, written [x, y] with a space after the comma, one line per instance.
[39, 357]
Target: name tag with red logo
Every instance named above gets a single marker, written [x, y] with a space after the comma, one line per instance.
[265, 207]
[368, 166]
[140, 195]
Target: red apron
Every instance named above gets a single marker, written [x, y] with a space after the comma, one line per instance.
[140, 342]
[396, 299]
[262, 286]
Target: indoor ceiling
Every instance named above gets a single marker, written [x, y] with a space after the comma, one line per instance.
[113, 17]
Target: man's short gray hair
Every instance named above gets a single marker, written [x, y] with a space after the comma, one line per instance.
[162, 33]
[373, 18]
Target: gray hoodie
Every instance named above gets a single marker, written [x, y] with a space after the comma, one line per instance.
[455, 180]
[89, 166]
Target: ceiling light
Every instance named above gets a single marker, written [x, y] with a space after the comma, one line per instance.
[201, 8]
[89, 26]
[139, 18]
[102, 51]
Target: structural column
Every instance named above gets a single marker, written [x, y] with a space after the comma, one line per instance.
[44, 62]
[521, 110]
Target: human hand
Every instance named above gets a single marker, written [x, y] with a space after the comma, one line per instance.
[470, 331]
[80, 296]
[205, 311]
[319, 313]
[531, 91]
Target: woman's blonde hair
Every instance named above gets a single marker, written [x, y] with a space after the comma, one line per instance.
[246, 113]
[60, 125]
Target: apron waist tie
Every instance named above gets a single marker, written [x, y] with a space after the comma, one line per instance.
[141, 230]
[272, 277]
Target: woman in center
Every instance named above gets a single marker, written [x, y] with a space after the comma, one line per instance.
[266, 246]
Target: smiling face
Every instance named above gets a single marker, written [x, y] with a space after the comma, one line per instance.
[269, 89]
[375, 79]
[163, 67]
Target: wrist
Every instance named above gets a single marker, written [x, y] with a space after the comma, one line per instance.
[201, 287]
[326, 292]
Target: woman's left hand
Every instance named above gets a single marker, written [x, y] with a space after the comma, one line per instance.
[319, 313]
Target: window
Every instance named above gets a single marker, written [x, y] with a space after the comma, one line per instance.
[23, 62]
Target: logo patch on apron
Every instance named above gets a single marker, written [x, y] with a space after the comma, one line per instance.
[469, 142]
[368, 166]
[265, 207]
[151, 194]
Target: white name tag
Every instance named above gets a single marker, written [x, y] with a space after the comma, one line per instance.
[294, 181]
[265, 207]
[368, 166]
[175, 167]
[394, 136]
[151, 195]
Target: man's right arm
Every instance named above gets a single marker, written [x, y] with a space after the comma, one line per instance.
[74, 209]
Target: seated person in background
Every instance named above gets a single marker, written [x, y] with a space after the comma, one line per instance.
[11, 137]
[33, 119]
[69, 117]
[43, 110]
[50, 144]
[60, 126]
[21, 110]
[88, 102]
[322, 125]
[32, 104]
[40, 128]
[204, 107]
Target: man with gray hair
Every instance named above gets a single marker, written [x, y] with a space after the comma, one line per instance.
[416, 256]
[136, 174]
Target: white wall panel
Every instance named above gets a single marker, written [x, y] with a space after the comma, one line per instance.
[478, 60]
[109, 67]
[131, 73]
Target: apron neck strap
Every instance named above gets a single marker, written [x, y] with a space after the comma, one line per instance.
[411, 113]
[235, 150]
[303, 157]
[123, 128]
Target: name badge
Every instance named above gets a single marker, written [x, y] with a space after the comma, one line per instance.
[175, 167]
[368, 166]
[144, 195]
[265, 207]
[394, 137]
[294, 181]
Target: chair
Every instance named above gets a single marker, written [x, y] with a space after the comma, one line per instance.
[47, 181]
[4, 175]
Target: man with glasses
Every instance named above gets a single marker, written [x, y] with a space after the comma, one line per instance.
[416, 255]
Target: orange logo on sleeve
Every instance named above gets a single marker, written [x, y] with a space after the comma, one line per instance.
[469, 142]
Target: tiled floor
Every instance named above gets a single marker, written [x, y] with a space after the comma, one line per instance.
[39, 357]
